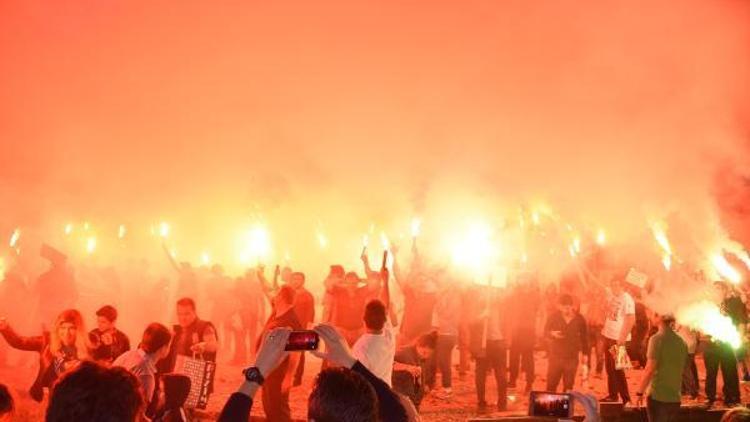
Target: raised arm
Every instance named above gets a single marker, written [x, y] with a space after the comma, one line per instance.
[29, 344]
[170, 257]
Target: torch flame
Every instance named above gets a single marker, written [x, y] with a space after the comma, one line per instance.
[535, 218]
[205, 258]
[14, 237]
[90, 245]
[661, 238]
[2, 267]
[68, 229]
[601, 237]
[706, 317]
[725, 269]
[257, 245]
[164, 230]
[416, 225]
[121, 231]
[365, 240]
[322, 240]
[384, 241]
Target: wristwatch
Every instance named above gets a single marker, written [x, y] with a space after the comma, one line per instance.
[253, 375]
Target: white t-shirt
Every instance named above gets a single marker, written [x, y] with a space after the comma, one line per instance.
[617, 308]
[376, 351]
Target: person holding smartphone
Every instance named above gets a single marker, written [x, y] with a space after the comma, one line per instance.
[278, 382]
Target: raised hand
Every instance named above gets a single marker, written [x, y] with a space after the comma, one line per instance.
[337, 350]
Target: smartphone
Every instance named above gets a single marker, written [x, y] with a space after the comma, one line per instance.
[302, 340]
[547, 404]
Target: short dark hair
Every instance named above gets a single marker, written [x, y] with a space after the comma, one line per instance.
[92, 392]
[109, 312]
[155, 337]
[342, 395]
[6, 401]
[299, 274]
[286, 293]
[375, 315]
[565, 299]
[428, 340]
[186, 301]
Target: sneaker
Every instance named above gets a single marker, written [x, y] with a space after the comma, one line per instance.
[609, 399]
[709, 404]
[746, 377]
[444, 394]
[731, 404]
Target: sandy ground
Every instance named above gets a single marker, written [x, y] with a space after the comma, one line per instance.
[460, 407]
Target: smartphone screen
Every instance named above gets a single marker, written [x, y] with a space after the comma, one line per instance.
[558, 405]
[302, 340]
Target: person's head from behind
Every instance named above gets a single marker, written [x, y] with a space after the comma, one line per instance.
[186, 313]
[6, 404]
[375, 315]
[298, 280]
[92, 392]
[426, 344]
[342, 395]
[565, 305]
[106, 317]
[737, 414]
[175, 389]
[666, 320]
[69, 331]
[156, 339]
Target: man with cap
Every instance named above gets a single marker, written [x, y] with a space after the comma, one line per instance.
[665, 362]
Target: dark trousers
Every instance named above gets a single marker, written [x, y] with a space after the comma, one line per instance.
[275, 402]
[617, 384]
[494, 359]
[300, 370]
[443, 357]
[690, 383]
[721, 356]
[522, 353]
[564, 368]
[659, 411]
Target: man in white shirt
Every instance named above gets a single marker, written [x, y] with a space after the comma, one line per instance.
[376, 347]
[618, 323]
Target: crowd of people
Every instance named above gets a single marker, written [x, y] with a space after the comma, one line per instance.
[387, 358]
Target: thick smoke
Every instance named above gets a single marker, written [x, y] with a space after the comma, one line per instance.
[335, 117]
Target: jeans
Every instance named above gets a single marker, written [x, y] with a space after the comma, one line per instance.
[275, 400]
[495, 360]
[443, 356]
[522, 351]
[564, 368]
[617, 384]
[721, 356]
[659, 411]
[690, 383]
